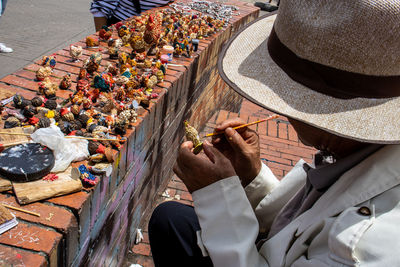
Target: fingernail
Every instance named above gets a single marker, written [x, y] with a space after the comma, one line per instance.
[229, 132]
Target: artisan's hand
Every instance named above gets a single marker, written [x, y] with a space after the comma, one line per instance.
[198, 171]
[241, 147]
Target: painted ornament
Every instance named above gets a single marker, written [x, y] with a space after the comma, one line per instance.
[75, 52]
[66, 81]
[192, 135]
[92, 42]
[49, 61]
[43, 72]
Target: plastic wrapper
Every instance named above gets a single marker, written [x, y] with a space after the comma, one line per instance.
[66, 150]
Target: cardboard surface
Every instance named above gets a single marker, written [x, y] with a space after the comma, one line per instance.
[41, 189]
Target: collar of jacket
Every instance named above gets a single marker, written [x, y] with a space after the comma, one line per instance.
[373, 176]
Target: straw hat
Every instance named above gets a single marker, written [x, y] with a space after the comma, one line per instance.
[332, 64]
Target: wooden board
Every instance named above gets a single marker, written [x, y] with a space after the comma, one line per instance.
[5, 185]
[5, 94]
[41, 189]
[6, 138]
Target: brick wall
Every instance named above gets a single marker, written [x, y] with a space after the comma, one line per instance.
[95, 227]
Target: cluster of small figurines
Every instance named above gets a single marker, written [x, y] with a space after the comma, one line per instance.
[163, 32]
[106, 98]
[213, 9]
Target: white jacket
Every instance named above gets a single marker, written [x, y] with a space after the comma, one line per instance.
[332, 233]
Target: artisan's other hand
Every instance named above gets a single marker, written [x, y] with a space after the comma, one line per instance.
[242, 148]
[198, 171]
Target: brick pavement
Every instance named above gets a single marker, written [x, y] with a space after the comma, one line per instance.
[280, 150]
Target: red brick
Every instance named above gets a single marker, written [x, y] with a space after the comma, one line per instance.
[67, 60]
[52, 216]
[186, 196]
[21, 82]
[262, 128]
[278, 160]
[32, 237]
[10, 256]
[144, 261]
[304, 153]
[222, 116]
[282, 130]
[170, 78]
[26, 74]
[265, 152]
[142, 249]
[14, 90]
[272, 128]
[65, 94]
[273, 140]
[145, 237]
[253, 119]
[267, 142]
[292, 134]
[177, 185]
[73, 201]
[233, 115]
[67, 68]
[177, 68]
[279, 166]
[296, 158]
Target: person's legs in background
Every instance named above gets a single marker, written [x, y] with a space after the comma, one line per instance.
[173, 239]
[99, 20]
[3, 47]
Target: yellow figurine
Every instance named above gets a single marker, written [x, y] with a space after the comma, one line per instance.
[192, 135]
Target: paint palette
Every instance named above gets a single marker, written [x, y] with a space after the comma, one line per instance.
[25, 163]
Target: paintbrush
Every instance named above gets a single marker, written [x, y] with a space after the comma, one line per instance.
[244, 125]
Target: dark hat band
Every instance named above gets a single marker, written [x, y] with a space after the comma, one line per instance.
[330, 81]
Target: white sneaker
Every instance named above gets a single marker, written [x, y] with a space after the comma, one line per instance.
[5, 49]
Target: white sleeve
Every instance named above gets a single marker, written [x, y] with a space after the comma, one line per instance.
[261, 186]
[229, 225]
[228, 222]
[268, 195]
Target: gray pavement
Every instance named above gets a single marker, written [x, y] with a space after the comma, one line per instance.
[34, 28]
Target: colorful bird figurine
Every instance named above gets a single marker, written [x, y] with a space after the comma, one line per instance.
[43, 72]
[75, 52]
[66, 81]
[48, 88]
[49, 61]
[92, 42]
[105, 33]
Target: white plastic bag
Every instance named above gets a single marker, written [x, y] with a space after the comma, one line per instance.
[66, 150]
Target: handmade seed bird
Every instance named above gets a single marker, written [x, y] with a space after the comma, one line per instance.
[75, 52]
[92, 64]
[49, 61]
[43, 72]
[105, 33]
[92, 42]
[192, 135]
[48, 88]
[66, 81]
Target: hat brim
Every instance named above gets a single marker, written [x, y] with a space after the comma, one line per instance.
[247, 67]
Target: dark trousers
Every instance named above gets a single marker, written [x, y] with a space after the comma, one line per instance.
[172, 234]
